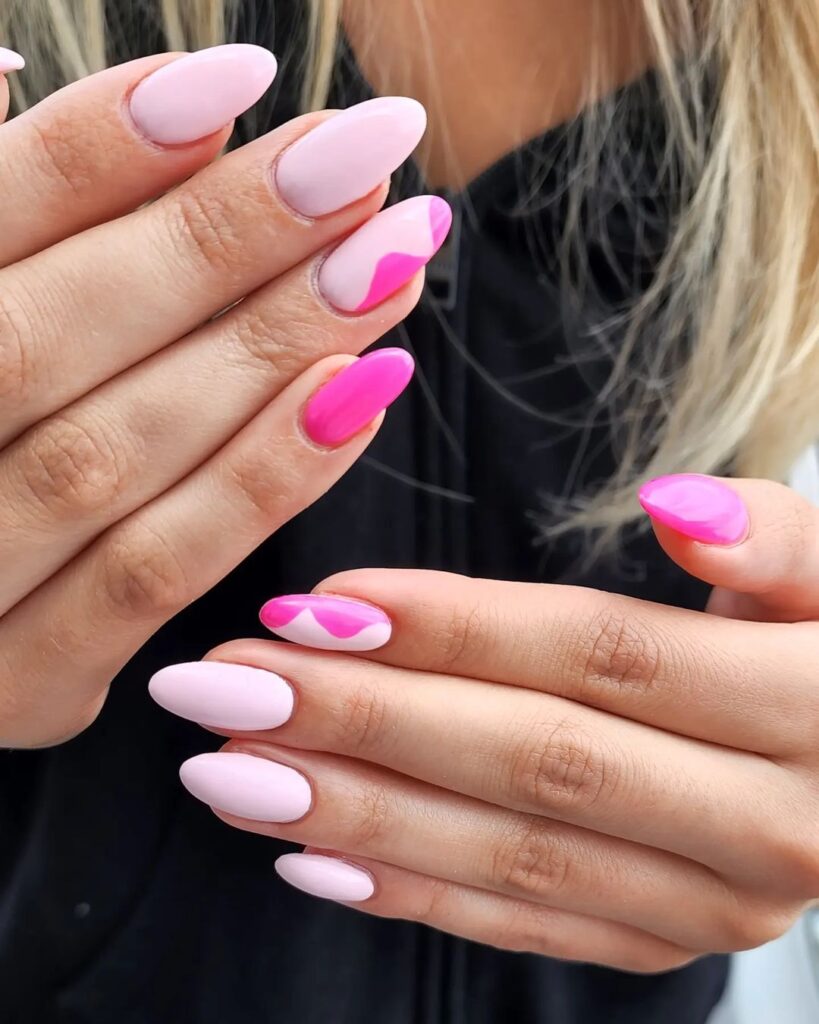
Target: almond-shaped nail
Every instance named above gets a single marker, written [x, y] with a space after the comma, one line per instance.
[10, 60]
[356, 395]
[327, 877]
[700, 507]
[379, 258]
[223, 696]
[327, 623]
[349, 155]
[249, 787]
[195, 96]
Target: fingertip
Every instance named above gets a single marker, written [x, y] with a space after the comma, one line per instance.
[700, 508]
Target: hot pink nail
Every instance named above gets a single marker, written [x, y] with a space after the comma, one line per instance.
[223, 696]
[384, 254]
[328, 623]
[10, 60]
[327, 877]
[198, 94]
[356, 395]
[347, 156]
[699, 507]
[249, 787]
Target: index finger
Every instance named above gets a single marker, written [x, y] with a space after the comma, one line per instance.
[746, 685]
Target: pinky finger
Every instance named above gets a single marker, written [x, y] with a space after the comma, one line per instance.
[479, 916]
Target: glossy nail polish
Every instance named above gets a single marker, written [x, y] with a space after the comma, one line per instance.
[328, 623]
[249, 787]
[10, 60]
[197, 95]
[327, 877]
[379, 258]
[699, 507]
[349, 155]
[223, 695]
[356, 395]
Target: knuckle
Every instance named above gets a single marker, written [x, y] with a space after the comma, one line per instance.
[206, 231]
[362, 720]
[72, 464]
[16, 332]
[531, 864]
[371, 816]
[141, 577]
[795, 854]
[432, 907]
[618, 654]
[461, 635]
[747, 926]
[270, 336]
[264, 484]
[62, 154]
[561, 770]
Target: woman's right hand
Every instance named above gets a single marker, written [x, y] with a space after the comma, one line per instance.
[147, 446]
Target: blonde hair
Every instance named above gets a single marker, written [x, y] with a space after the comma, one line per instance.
[737, 289]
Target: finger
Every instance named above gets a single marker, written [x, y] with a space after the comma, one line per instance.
[748, 686]
[367, 811]
[478, 916]
[207, 244]
[755, 538]
[542, 755]
[104, 145]
[9, 61]
[61, 646]
[85, 468]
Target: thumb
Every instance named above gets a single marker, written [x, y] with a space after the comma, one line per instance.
[755, 540]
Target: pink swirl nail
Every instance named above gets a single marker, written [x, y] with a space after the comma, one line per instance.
[385, 253]
[10, 60]
[700, 507]
[327, 623]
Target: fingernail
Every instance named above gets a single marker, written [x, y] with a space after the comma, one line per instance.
[328, 623]
[10, 60]
[224, 696]
[197, 95]
[384, 254]
[249, 787]
[349, 155]
[699, 507]
[328, 877]
[356, 395]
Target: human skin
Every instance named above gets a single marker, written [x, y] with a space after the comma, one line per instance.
[545, 768]
[147, 445]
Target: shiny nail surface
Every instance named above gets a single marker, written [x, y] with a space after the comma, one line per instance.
[350, 154]
[249, 787]
[699, 507]
[327, 623]
[197, 95]
[356, 395]
[379, 258]
[223, 695]
[10, 60]
[327, 877]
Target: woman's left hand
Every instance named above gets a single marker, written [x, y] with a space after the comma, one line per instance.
[544, 768]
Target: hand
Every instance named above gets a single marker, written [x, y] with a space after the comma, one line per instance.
[543, 768]
[146, 446]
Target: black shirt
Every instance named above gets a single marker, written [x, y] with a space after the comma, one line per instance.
[125, 901]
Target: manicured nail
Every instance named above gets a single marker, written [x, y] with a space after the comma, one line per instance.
[328, 623]
[249, 787]
[356, 395]
[349, 155]
[10, 60]
[197, 95]
[224, 696]
[384, 254]
[699, 507]
[328, 877]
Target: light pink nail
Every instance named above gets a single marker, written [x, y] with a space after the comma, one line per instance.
[223, 696]
[328, 877]
[356, 395]
[249, 787]
[328, 623]
[10, 60]
[349, 155]
[384, 254]
[198, 94]
[699, 507]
